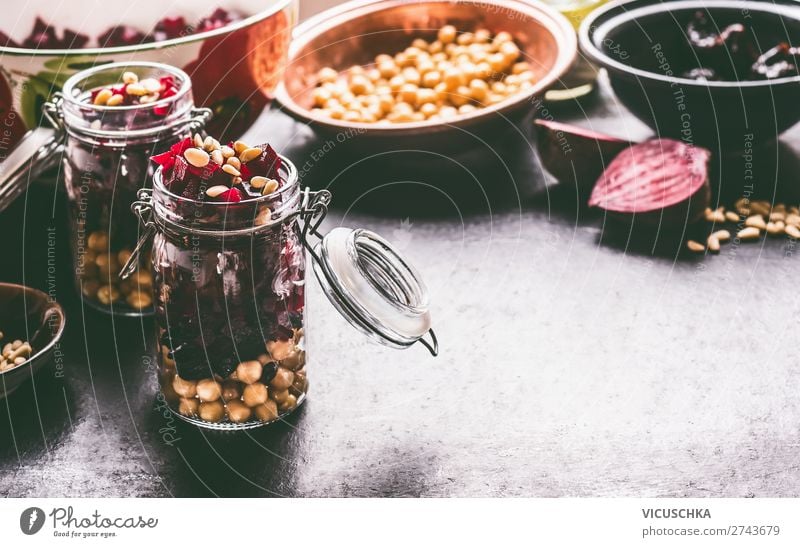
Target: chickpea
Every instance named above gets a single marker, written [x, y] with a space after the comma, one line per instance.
[419, 43]
[498, 87]
[460, 96]
[510, 51]
[417, 117]
[89, 288]
[388, 69]
[435, 47]
[249, 372]
[482, 36]
[386, 103]
[494, 98]
[98, 241]
[280, 349]
[447, 34]
[139, 300]
[278, 396]
[408, 93]
[282, 380]
[231, 389]
[501, 37]
[212, 411]
[441, 91]
[466, 109]
[426, 95]
[448, 112]
[520, 67]
[123, 256]
[320, 96]
[184, 388]
[465, 38]
[411, 76]
[484, 70]
[526, 76]
[209, 390]
[327, 74]
[188, 407]
[497, 62]
[360, 84]
[300, 384]
[396, 83]
[255, 394]
[266, 412]
[382, 58]
[452, 78]
[478, 89]
[336, 112]
[402, 60]
[429, 109]
[439, 57]
[289, 404]
[140, 278]
[430, 79]
[107, 294]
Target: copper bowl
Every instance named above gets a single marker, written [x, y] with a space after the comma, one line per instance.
[355, 32]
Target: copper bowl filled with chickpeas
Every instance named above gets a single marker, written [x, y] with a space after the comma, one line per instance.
[380, 71]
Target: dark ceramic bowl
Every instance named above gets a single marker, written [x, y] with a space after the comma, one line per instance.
[28, 314]
[643, 46]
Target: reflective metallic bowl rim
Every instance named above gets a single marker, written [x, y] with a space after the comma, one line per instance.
[555, 22]
[596, 55]
[259, 16]
[56, 337]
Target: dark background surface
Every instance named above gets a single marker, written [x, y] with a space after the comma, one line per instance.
[576, 361]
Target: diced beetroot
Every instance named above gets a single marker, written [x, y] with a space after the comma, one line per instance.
[660, 181]
[6, 41]
[171, 27]
[268, 164]
[575, 155]
[232, 196]
[218, 19]
[122, 35]
[43, 36]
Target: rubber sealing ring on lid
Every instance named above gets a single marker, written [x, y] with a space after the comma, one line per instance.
[370, 283]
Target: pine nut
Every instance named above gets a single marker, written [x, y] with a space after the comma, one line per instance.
[239, 147]
[151, 85]
[103, 96]
[237, 180]
[730, 216]
[713, 244]
[760, 207]
[258, 182]
[198, 140]
[216, 191]
[129, 77]
[695, 247]
[216, 157]
[742, 205]
[722, 235]
[227, 152]
[263, 217]
[775, 216]
[270, 186]
[716, 215]
[115, 100]
[135, 89]
[249, 154]
[231, 170]
[792, 231]
[755, 221]
[775, 228]
[748, 234]
[197, 157]
[234, 162]
[793, 219]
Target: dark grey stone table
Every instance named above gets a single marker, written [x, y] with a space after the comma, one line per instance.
[575, 361]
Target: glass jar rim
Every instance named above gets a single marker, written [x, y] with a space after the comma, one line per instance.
[292, 181]
[72, 93]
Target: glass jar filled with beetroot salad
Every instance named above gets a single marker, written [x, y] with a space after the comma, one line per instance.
[230, 230]
[113, 118]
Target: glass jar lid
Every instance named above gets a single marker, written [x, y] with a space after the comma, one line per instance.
[374, 287]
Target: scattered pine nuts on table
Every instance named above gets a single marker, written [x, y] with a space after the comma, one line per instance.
[752, 219]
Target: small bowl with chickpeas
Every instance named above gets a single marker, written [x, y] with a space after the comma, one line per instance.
[30, 329]
[389, 69]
